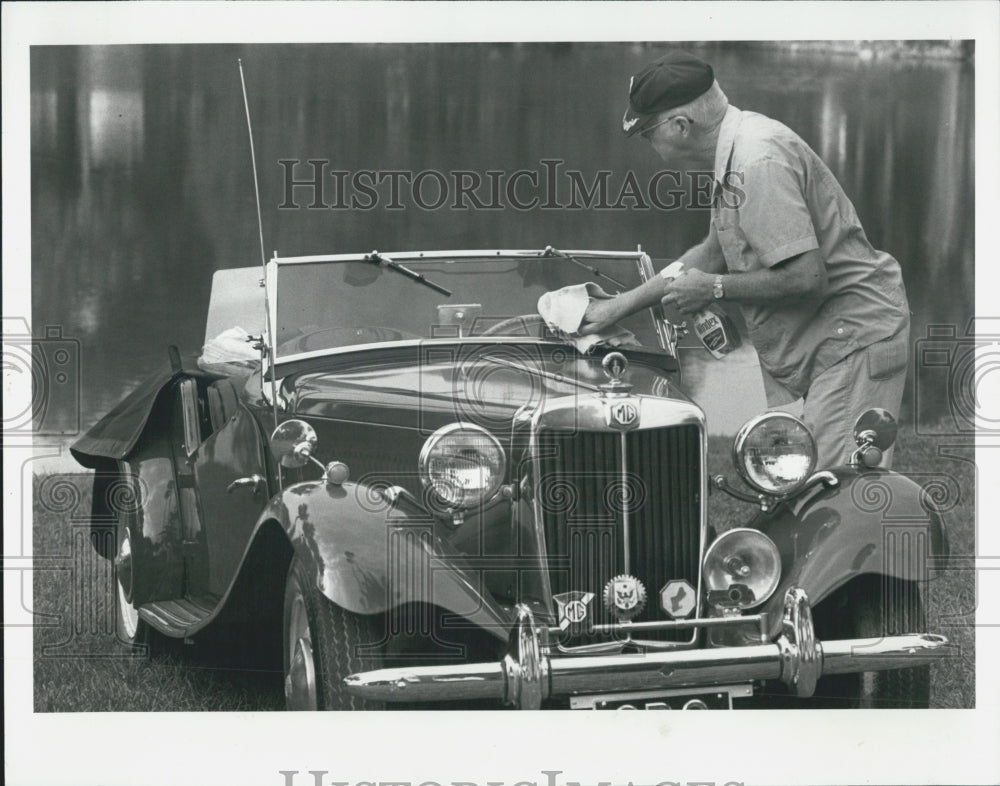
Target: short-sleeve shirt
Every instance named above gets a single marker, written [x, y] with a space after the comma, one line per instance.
[776, 199]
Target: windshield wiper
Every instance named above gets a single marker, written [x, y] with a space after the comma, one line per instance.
[554, 252]
[383, 261]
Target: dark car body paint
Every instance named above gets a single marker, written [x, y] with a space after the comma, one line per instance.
[374, 413]
[370, 554]
[155, 522]
[873, 522]
[228, 519]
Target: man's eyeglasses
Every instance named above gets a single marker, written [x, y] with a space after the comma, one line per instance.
[646, 133]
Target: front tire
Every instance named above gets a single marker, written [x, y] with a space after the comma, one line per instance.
[872, 607]
[323, 644]
[131, 629]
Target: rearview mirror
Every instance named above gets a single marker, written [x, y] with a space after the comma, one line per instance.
[292, 443]
[874, 433]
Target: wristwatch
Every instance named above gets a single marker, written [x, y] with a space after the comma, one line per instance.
[717, 291]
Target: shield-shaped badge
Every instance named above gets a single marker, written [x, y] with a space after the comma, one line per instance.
[572, 608]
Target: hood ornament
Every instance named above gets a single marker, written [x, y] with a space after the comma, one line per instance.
[615, 366]
[621, 411]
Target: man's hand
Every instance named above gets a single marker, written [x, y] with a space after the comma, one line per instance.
[690, 292]
[599, 315]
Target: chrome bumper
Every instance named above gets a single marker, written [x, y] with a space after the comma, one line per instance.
[527, 674]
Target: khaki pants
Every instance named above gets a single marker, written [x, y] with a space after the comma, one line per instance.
[871, 377]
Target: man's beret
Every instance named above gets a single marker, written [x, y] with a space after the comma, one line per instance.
[673, 80]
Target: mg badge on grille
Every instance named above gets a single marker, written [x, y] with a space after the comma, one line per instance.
[677, 598]
[572, 608]
[624, 596]
[623, 414]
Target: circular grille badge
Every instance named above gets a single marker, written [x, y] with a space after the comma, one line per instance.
[624, 596]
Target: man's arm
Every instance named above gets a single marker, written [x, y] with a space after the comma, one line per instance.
[803, 275]
[706, 256]
[601, 314]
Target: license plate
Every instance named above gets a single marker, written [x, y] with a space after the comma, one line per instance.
[720, 698]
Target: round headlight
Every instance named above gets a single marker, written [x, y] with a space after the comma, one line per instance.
[774, 453]
[462, 465]
[745, 557]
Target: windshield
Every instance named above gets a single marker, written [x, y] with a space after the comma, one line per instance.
[331, 304]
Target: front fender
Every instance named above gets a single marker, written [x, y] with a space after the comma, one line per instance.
[370, 552]
[872, 522]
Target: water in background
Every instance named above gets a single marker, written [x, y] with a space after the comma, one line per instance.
[141, 181]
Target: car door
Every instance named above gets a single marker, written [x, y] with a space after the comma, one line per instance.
[233, 451]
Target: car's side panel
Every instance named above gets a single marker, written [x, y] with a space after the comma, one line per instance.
[370, 555]
[873, 522]
[228, 519]
[155, 522]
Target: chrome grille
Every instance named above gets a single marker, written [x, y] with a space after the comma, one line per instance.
[585, 493]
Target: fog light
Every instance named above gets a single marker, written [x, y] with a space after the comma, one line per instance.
[745, 557]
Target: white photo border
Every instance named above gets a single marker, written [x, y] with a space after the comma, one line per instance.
[937, 746]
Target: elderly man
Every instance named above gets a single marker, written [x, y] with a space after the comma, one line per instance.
[826, 312]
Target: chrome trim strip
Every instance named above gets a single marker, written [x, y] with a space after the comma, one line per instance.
[536, 507]
[460, 254]
[626, 522]
[415, 342]
[708, 622]
[660, 321]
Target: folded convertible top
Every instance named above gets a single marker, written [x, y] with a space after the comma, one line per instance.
[114, 435]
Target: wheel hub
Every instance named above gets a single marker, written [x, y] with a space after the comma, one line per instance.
[128, 615]
[300, 682]
[123, 567]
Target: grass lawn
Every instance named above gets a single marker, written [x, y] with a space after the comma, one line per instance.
[80, 666]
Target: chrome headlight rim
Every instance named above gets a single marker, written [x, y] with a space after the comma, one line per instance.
[434, 440]
[721, 542]
[739, 445]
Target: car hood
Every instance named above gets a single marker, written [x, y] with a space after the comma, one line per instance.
[477, 382]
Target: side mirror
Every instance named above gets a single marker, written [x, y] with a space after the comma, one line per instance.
[874, 433]
[292, 443]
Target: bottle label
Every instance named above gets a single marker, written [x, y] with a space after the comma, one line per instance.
[713, 331]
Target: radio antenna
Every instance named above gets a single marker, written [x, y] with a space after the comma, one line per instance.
[253, 162]
[269, 339]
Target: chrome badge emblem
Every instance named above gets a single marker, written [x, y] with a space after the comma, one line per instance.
[624, 596]
[572, 608]
[624, 414]
[677, 598]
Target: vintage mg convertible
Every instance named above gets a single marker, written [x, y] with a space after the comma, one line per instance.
[435, 500]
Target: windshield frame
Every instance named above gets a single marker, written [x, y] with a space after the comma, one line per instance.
[643, 262]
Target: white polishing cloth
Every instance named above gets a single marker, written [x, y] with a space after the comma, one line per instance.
[563, 312]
